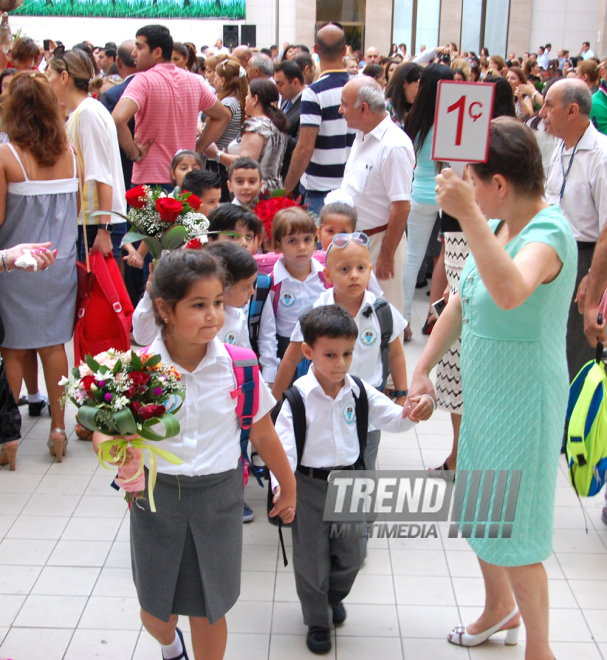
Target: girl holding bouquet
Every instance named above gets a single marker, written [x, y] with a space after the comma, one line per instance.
[187, 556]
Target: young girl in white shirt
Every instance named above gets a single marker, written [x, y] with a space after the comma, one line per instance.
[187, 555]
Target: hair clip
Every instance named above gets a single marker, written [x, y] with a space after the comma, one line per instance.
[179, 151]
[242, 72]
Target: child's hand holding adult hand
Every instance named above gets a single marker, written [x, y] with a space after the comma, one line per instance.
[420, 408]
[284, 506]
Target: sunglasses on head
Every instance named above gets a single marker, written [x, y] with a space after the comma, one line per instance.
[59, 52]
[341, 240]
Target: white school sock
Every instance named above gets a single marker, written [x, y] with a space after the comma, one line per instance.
[34, 398]
[173, 650]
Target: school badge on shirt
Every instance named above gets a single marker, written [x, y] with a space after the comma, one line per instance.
[368, 337]
[230, 337]
[350, 413]
[287, 298]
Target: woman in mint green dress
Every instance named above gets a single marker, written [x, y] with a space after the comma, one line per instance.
[511, 310]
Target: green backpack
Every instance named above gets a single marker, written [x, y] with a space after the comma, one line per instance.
[587, 430]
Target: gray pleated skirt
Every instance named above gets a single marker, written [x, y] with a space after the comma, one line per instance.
[187, 556]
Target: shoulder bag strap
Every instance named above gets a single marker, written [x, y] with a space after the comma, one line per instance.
[361, 404]
[298, 410]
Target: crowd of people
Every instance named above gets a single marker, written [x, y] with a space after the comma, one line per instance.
[517, 249]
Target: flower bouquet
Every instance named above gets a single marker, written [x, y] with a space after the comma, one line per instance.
[163, 221]
[126, 395]
[269, 204]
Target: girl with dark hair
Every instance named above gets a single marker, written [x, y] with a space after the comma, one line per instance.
[263, 136]
[40, 184]
[523, 104]
[187, 556]
[420, 128]
[180, 55]
[511, 311]
[402, 90]
[391, 66]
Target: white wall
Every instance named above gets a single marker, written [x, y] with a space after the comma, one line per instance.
[199, 31]
[564, 24]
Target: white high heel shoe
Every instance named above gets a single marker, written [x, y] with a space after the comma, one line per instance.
[460, 637]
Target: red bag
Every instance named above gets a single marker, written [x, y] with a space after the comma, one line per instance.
[104, 309]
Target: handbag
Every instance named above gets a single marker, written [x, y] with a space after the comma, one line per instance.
[10, 418]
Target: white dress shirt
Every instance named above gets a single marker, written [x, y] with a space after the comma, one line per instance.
[584, 200]
[209, 439]
[235, 328]
[332, 438]
[366, 359]
[379, 172]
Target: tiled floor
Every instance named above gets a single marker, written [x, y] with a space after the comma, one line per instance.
[66, 590]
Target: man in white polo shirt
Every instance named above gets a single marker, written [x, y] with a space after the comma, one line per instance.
[378, 176]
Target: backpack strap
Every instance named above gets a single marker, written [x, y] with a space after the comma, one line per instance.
[262, 290]
[102, 275]
[383, 311]
[298, 410]
[361, 405]
[275, 288]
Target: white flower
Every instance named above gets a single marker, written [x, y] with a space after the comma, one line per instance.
[64, 381]
[126, 357]
[85, 370]
[120, 403]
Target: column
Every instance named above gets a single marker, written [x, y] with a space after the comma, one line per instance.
[378, 25]
[450, 22]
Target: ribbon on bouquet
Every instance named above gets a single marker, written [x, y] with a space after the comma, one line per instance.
[109, 462]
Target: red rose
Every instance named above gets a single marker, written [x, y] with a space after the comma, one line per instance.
[169, 208]
[194, 201]
[87, 381]
[151, 410]
[136, 197]
[194, 244]
[140, 380]
[135, 407]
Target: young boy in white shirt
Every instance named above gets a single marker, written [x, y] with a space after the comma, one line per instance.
[325, 568]
[244, 181]
[348, 269]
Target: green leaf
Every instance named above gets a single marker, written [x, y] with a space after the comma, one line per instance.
[136, 361]
[132, 237]
[76, 372]
[117, 367]
[86, 416]
[277, 193]
[153, 361]
[171, 428]
[125, 421]
[93, 366]
[154, 246]
[174, 237]
[96, 214]
[103, 369]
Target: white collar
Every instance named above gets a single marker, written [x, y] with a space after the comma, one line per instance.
[215, 351]
[281, 273]
[379, 131]
[309, 383]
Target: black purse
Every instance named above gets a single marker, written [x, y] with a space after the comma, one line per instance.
[10, 418]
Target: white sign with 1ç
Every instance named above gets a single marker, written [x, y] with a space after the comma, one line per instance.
[462, 121]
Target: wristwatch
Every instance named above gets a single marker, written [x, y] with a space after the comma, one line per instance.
[218, 157]
[109, 227]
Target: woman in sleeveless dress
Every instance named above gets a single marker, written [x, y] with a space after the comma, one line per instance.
[511, 310]
[38, 200]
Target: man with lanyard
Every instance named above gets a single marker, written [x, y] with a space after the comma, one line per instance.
[577, 179]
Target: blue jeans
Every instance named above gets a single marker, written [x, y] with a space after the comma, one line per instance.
[419, 229]
[315, 200]
[118, 231]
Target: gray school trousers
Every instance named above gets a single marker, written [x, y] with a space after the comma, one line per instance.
[325, 568]
[373, 438]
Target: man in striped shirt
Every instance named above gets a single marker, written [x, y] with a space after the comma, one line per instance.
[324, 143]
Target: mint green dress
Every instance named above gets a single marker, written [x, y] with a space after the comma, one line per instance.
[515, 389]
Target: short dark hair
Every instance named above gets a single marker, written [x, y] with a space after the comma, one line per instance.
[291, 70]
[175, 273]
[158, 36]
[109, 52]
[515, 154]
[199, 181]
[332, 321]
[303, 60]
[244, 163]
[586, 43]
[266, 51]
[303, 47]
[330, 51]
[226, 217]
[238, 263]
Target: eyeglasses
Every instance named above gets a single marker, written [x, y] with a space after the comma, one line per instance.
[341, 240]
[59, 52]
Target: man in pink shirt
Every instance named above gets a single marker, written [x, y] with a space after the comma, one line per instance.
[165, 102]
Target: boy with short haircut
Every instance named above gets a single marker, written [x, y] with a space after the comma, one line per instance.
[206, 186]
[325, 568]
[230, 222]
[244, 181]
[348, 270]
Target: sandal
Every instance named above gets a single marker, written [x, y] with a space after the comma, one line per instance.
[57, 446]
[438, 472]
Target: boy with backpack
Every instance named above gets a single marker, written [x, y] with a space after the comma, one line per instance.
[322, 426]
[377, 350]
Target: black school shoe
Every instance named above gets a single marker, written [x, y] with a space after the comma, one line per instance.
[36, 409]
[184, 654]
[339, 614]
[318, 640]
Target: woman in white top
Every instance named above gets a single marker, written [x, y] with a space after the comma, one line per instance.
[92, 131]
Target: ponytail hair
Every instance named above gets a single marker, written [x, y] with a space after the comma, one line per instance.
[236, 85]
[267, 93]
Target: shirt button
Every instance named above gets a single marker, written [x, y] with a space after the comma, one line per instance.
[464, 300]
[470, 278]
[464, 320]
